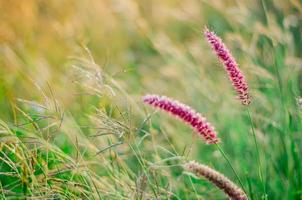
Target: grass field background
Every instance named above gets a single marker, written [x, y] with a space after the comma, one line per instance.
[73, 72]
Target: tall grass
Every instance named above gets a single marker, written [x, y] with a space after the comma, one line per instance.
[72, 75]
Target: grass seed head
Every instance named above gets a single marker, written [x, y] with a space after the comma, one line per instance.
[187, 114]
[235, 75]
[218, 179]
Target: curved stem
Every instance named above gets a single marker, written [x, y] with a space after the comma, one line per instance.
[258, 154]
[230, 164]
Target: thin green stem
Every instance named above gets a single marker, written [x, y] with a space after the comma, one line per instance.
[265, 11]
[260, 173]
[230, 164]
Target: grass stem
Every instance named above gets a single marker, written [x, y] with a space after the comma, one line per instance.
[230, 164]
[260, 173]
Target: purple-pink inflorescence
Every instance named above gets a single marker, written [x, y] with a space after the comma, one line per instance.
[187, 114]
[235, 75]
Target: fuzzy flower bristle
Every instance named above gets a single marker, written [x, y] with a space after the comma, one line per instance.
[184, 112]
[218, 179]
[235, 75]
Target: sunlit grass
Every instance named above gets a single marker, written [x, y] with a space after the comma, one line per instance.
[72, 76]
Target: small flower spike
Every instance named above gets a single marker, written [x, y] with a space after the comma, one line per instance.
[230, 65]
[184, 112]
[218, 179]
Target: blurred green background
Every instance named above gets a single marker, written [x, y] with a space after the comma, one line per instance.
[74, 57]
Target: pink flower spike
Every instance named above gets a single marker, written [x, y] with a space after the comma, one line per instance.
[230, 65]
[184, 112]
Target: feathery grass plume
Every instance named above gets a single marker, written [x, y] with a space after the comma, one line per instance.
[235, 75]
[187, 114]
[218, 179]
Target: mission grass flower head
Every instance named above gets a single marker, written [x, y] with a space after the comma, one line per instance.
[218, 179]
[235, 75]
[184, 112]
